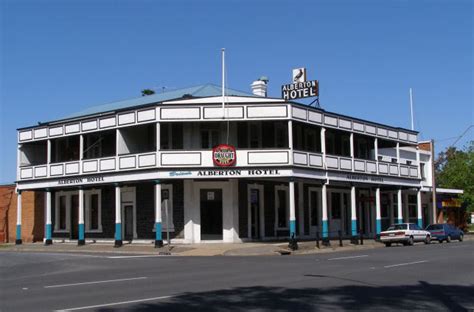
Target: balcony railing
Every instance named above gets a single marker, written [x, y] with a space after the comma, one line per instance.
[199, 158]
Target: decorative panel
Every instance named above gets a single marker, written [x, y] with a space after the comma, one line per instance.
[126, 119]
[255, 158]
[315, 117]
[217, 112]
[26, 135]
[300, 158]
[89, 125]
[267, 111]
[146, 115]
[107, 122]
[180, 159]
[72, 128]
[181, 113]
[55, 131]
[41, 133]
[299, 113]
[315, 160]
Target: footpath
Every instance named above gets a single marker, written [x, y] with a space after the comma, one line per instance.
[204, 249]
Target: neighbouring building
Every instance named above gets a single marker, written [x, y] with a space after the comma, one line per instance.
[255, 168]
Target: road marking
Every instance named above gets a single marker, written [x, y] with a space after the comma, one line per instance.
[115, 303]
[127, 257]
[97, 282]
[351, 257]
[402, 264]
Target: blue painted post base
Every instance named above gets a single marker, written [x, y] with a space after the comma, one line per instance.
[48, 241]
[81, 242]
[158, 243]
[18, 242]
[118, 243]
[420, 223]
[400, 221]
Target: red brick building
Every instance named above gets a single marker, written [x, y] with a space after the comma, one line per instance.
[32, 215]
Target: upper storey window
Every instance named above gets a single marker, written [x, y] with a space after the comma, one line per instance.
[99, 144]
[338, 143]
[306, 137]
[171, 136]
[33, 153]
[262, 134]
[65, 149]
[364, 147]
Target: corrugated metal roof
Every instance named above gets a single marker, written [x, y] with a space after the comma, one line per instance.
[197, 91]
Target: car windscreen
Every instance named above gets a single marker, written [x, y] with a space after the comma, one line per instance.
[434, 227]
[396, 227]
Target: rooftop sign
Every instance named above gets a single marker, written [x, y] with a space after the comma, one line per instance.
[300, 88]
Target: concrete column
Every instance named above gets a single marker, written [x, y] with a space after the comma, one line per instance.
[324, 209]
[290, 140]
[353, 212]
[118, 217]
[378, 220]
[18, 240]
[48, 228]
[48, 153]
[292, 209]
[418, 208]
[398, 157]
[158, 237]
[399, 206]
[323, 145]
[81, 239]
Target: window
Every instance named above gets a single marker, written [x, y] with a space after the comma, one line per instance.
[335, 205]
[92, 207]
[209, 135]
[422, 171]
[69, 201]
[314, 208]
[171, 136]
[282, 206]
[62, 210]
[167, 195]
[412, 203]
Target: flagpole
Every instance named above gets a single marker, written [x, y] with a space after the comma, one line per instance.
[223, 83]
[411, 110]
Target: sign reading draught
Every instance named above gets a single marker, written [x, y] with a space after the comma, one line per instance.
[224, 155]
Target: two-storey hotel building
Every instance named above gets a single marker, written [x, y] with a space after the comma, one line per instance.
[135, 169]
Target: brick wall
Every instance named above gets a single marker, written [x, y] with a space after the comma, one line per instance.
[32, 215]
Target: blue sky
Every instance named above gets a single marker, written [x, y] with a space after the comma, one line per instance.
[59, 57]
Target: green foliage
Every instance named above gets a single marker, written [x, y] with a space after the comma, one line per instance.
[455, 169]
[146, 92]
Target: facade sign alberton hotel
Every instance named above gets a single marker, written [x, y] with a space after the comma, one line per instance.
[300, 88]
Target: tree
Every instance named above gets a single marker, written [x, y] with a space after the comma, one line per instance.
[455, 169]
[146, 92]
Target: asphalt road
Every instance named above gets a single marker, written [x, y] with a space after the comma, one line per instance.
[436, 277]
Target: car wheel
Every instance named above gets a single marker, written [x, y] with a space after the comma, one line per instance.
[461, 237]
[388, 244]
[427, 239]
[410, 241]
[440, 241]
[448, 239]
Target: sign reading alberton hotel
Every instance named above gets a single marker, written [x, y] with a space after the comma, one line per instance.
[300, 88]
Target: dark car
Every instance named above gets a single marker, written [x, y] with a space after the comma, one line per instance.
[445, 232]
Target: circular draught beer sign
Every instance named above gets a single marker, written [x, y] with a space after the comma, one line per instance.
[224, 155]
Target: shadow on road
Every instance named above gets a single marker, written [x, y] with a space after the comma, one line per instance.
[422, 296]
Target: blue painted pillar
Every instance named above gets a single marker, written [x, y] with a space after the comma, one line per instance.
[158, 218]
[399, 206]
[81, 239]
[48, 225]
[419, 209]
[18, 240]
[353, 212]
[378, 219]
[292, 210]
[324, 198]
[118, 216]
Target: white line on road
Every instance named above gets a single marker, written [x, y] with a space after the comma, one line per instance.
[115, 303]
[97, 282]
[141, 256]
[402, 264]
[351, 257]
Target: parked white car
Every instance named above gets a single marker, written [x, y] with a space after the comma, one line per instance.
[405, 233]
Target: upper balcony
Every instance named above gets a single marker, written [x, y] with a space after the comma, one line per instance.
[261, 143]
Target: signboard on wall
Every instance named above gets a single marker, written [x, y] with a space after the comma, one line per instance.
[224, 155]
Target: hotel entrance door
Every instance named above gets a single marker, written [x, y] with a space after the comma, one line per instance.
[211, 214]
